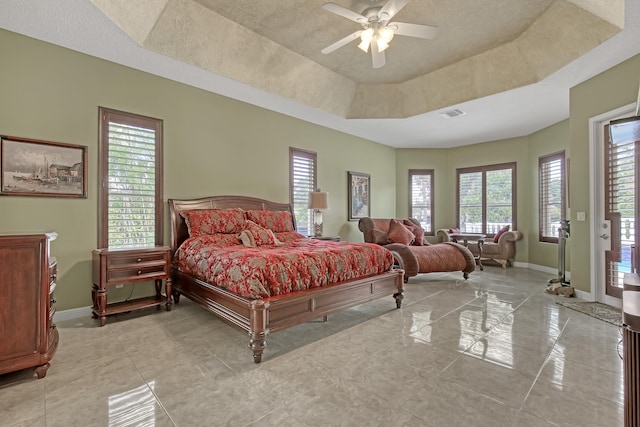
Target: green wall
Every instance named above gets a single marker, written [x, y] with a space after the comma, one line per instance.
[605, 92]
[213, 145]
[547, 141]
[446, 161]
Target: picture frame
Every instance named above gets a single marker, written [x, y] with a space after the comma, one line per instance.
[32, 167]
[359, 189]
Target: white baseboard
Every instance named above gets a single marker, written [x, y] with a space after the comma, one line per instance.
[543, 268]
[73, 313]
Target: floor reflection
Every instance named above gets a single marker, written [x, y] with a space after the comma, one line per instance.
[135, 407]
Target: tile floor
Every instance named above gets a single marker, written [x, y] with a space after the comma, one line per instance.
[491, 351]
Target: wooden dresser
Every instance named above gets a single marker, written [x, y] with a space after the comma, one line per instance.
[119, 267]
[28, 336]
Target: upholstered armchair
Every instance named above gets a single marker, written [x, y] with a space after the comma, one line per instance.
[411, 251]
[503, 251]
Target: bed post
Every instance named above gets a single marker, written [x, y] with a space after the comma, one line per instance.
[258, 328]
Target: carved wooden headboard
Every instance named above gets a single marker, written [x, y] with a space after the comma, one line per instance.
[179, 231]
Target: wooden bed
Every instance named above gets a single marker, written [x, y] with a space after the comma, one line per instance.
[259, 317]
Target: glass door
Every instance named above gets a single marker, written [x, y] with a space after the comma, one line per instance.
[622, 154]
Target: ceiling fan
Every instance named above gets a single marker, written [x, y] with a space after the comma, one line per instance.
[377, 31]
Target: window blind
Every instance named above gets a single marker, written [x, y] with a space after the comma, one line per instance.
[486, 198]
[421, 198]
[131, 186]
[499, 196]
[470, 189]
[303, 181]
[552, 196]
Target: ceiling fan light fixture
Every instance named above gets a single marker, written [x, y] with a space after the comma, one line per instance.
[382, 45]
[364, 45]
[377, 31]
[366, 37]
[386, 34]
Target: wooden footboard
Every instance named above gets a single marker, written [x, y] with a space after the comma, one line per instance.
[260, 317]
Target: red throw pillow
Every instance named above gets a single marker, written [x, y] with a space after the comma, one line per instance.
[254, 235]
[416, 230]
[454, 231]
[500, 233]
[398, 233]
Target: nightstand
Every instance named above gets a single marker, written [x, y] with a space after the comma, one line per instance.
[331, 238]
[118, 267]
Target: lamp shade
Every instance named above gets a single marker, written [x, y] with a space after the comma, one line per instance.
[318, 200]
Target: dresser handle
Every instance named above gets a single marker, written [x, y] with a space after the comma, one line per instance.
[139, 260]
[139, 272]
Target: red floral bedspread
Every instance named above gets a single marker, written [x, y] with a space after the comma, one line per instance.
[259, 272]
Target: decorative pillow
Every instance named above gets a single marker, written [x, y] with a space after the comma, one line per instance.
[398, 233]
[416, 230]
[380, 237]
[454, 231]
[501, 232]
[201, 222]
[254, 235]
[222, 240]
[276, 221]
[288, 236]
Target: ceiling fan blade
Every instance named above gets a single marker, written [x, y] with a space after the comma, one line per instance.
[345, 13]
[390, 9]
[341, 42]
[377, 57]
[414, 30]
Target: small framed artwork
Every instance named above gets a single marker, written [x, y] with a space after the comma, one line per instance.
[359, 195]
[30, 167]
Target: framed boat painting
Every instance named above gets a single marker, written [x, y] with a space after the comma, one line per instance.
[359, 195]
[31, 167]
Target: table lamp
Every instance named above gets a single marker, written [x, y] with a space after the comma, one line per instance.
[318, 201]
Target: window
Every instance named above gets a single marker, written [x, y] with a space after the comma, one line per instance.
[551, 179]
[302, 181]
[486, 198]
[421, 197]
[130, 196]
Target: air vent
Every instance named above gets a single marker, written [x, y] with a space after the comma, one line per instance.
[453, 113]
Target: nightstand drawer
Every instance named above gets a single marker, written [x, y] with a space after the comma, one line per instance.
[135, 273]
[125, 260]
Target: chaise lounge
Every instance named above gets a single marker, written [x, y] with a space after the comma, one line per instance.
[411, 251]
[501, 250]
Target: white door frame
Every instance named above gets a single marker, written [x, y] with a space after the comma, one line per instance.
[596, 204]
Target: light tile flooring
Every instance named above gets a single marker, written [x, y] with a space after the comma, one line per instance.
[491, 351]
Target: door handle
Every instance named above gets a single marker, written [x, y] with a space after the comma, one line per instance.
[604, 236]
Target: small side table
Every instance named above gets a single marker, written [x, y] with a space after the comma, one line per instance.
[331, 238]
[466, 237]
[115, 267]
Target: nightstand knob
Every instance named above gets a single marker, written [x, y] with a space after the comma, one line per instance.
[139, 272]
[139, 260]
